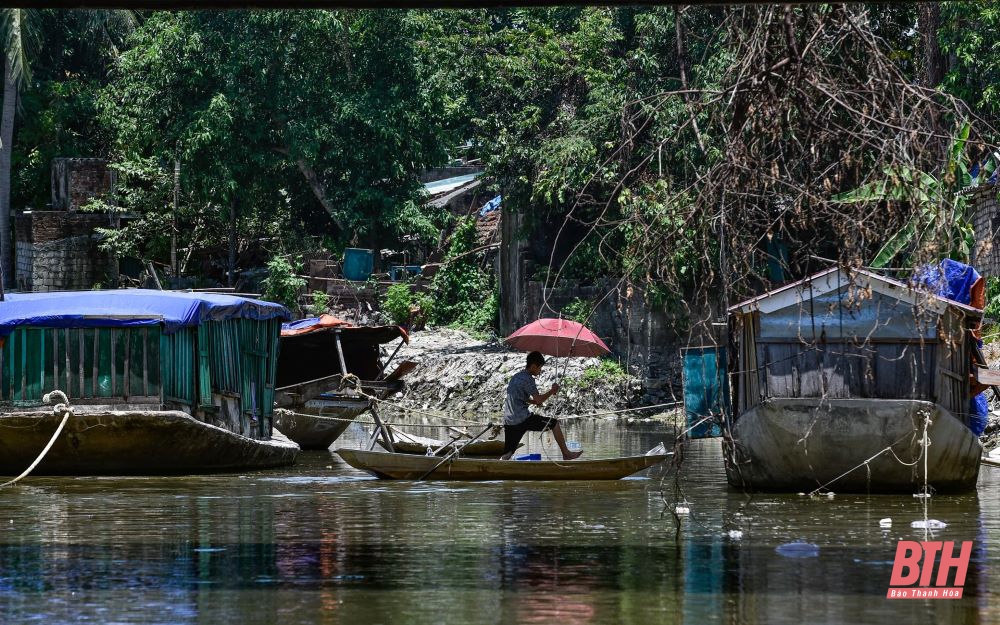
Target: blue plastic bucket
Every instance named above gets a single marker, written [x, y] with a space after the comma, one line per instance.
[358, 263]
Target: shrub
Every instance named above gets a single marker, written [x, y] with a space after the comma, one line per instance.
[464, 294]
[578, 310]
[606, 370]
[282, 284]
[320, 303]
[400, 301]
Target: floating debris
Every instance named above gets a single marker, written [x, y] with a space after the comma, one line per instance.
[735, 534]
[682, 509]
[930, 524]
[798, 550]
[921, 495]
[885, 523]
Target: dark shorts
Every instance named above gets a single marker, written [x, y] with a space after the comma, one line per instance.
[512, 434]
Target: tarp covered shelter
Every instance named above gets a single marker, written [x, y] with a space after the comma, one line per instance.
[857, 334]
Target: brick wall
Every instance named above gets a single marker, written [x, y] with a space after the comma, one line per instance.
[75, 181]
[58, 251]
[986, 222]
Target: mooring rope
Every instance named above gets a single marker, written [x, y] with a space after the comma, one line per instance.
[61, 408]
[925, 442]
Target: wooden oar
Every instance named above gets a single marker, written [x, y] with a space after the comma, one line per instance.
[455, 452]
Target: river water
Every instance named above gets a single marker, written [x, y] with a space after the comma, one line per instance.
[322, 543]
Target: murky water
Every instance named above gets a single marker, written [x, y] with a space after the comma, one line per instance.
[322, 543]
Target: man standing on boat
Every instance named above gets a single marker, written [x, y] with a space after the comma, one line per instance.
[517, 419]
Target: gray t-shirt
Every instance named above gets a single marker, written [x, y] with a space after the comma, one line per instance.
[519, 390]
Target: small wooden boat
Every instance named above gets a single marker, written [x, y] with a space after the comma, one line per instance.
[395, 466]
[315, 357]
[320, 421]
[406, 443]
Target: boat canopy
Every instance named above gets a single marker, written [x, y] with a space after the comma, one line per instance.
[351, 332]
[173, 310]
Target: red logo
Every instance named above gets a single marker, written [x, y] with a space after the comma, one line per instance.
[913, 570]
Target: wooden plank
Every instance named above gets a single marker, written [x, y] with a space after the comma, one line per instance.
[97, 341]
[69, 375]
[145, 362]
[113, 353]
[79, 336]
[23, 335]
[127, 373]
[55, 360]
[989, 377]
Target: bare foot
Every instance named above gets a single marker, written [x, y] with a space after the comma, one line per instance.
[572, 455]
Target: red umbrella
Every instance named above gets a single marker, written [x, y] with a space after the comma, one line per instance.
[558, 337]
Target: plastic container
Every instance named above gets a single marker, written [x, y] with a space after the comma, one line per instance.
[398, 273]
[358, 263]
[529, 457]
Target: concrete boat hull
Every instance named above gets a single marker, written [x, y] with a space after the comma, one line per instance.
[802, 444]
[133, 443]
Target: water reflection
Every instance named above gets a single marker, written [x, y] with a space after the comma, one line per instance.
[323, 545]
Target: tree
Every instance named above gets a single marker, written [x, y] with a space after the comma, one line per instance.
[18, 36]
[320, 119]
[23, 33]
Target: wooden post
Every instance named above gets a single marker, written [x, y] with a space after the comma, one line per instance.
[340, 352]
[232, 241]
[384, 365]
[380, 429]
[173, 227]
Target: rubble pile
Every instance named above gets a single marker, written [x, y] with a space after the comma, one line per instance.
[465, 377]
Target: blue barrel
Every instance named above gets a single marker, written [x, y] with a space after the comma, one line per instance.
[358, 263]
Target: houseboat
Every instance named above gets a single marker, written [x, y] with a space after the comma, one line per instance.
[328, 371]
[161, 382]
[852, 381]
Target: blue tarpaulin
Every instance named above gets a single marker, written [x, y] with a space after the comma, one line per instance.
[490, 206]
[954, 280]
[706, 393]
[129, 308]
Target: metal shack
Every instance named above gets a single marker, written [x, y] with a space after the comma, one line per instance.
[837, 378]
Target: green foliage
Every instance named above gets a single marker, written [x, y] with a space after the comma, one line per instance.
[992, 310]
[578, 310]
[311, 121]
[968, 37]
[282, 283]
[606, 371]
[463, 291]
[320, 304]
[397, 302]
[941, 225]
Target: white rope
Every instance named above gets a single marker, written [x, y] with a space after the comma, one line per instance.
[923, 455]
[66, 410]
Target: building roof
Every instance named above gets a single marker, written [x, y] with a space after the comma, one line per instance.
[129, 308]
[834, 278]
